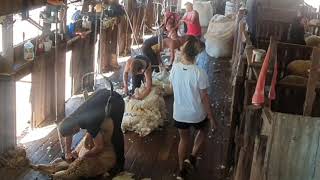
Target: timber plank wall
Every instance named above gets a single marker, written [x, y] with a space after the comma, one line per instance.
[14, 6]
[7, 113]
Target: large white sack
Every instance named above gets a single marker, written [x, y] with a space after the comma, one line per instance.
[220, 27]
[219, 48]
[205, 10]
[219, 36]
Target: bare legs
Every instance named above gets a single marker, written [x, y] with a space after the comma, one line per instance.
[183, 145]
[198, 142]
[185, 142]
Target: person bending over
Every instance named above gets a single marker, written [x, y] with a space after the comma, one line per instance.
[191, 105]
[140, 69]
[106, 150]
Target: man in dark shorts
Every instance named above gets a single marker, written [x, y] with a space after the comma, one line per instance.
[91, 115]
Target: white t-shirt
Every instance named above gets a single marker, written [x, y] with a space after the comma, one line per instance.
[187, 81]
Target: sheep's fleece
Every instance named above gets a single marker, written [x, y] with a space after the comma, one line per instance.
[161, 80]
[144, 116]
[14, 159]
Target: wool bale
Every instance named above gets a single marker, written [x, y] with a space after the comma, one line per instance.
[219, 36]
[205, 10]
[299, 68]
[313, 41]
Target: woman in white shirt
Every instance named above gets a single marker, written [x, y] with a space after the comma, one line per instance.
[191, 104]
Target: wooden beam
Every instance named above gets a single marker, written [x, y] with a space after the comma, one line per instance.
[14, 6]
[312, 82]
[108, 48]
[82, 63]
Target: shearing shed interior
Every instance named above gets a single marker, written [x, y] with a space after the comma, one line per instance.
[160, 89]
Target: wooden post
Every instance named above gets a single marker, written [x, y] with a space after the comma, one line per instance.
[60, 64]
[312, 82]
[109, 49]
[7, 91]
[124, 37]
[251, 130]
[82, 61]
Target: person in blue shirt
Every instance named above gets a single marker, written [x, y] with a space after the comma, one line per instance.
[202, 59]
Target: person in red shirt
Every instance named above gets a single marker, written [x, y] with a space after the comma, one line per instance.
[191, 18]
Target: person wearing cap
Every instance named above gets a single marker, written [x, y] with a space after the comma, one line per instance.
[191, 18]
[140, 68]
[107, 142]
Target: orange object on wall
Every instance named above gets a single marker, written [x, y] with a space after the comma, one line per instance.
[55, 2]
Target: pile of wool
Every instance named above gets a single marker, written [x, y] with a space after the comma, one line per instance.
[313, 41]
[299, 68]
[144, 116]
[15, 158]
[161, 80]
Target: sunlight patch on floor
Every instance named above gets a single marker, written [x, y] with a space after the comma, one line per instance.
[38, 133]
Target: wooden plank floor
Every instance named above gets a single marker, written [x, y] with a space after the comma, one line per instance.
[155, 156]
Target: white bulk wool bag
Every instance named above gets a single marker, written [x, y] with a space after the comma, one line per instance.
[219, 36]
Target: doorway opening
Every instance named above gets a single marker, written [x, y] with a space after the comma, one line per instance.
[23, 106]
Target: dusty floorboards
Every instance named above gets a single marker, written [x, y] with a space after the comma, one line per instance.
[155, 156]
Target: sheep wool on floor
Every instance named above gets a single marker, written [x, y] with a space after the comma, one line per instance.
[144, 116]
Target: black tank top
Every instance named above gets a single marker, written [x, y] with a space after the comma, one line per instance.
[139, 78]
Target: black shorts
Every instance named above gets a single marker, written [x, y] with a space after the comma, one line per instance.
[197, 126]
